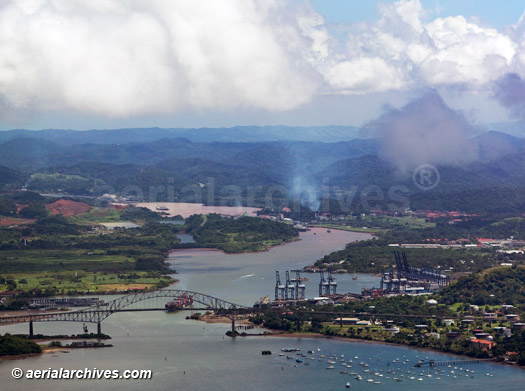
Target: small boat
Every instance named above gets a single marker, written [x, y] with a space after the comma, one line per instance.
[355, 276]
[298, 360]
[330, 367]
[347, 384]
[290, 349]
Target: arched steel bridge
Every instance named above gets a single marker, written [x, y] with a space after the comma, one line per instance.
[97, 313]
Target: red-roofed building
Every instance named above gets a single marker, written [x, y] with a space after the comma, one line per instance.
[483, 344]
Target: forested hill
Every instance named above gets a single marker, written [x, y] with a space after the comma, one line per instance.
[502, 285]
[238, 235]
[134, 159]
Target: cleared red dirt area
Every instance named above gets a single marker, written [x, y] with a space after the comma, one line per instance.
[68, 208]
[6, 222]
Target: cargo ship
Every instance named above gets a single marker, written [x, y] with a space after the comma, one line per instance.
[179, 302]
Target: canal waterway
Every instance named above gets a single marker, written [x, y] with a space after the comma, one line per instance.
[191, 355]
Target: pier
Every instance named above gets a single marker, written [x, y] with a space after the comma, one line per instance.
[433, 363]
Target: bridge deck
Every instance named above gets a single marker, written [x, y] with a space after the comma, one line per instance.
[98, 313]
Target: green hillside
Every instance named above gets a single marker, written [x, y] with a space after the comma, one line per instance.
[502, 285]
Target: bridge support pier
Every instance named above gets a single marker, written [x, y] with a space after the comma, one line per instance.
[30, 328]
[99, 328]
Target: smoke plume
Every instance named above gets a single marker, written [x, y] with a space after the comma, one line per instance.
[425, 131]
[510, 91]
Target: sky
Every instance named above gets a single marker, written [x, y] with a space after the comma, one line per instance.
[102, 64]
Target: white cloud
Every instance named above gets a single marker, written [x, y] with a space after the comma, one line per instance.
[364, 75]
[465, 53]
[126, 57]
[413, 52]
[122, 58]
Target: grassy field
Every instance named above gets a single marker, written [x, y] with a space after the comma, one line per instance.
[73, 282]
[410, 222]
[377, 224]
[98, 215]
[30, 261]
[74, 271]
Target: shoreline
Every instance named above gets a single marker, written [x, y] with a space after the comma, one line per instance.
[29, 355]
[284, 334]
[283, 243]
[102, 293]
[366, 341]
[214, 249]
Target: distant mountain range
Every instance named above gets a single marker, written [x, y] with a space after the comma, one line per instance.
[143, 135]
[79, 162]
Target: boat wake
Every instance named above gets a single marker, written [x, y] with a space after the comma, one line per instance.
[241, 278]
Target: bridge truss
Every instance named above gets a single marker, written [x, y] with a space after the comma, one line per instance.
[98, 313]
